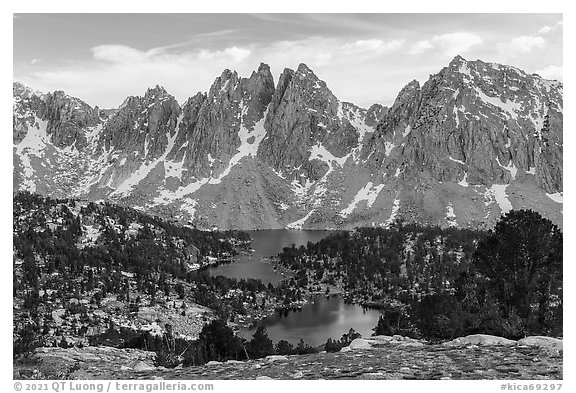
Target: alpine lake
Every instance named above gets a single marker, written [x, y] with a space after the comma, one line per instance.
[323, 317]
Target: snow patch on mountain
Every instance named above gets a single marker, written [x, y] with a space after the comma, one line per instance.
[249, 142]
[355, 117]
[189, 206]
[464, 70]
[35, 140]
[301, 191]
[174, 169]
[368, 193]
[394, 212]
[464, 182]
[141, 173]
[458, 161]
[406, 131]
[510, 167]
[299, 223]
[498, 193]
[319, 152]
[33, 144]
[557, 197]
[456, 118]
[450, 216]
[508, 107]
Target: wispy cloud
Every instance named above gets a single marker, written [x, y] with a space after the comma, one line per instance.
[351, 22]
[520, 45]
[183, 73]
[362, 57]
[449, 44]
[218, 33]
[420, 47]
[374, 46]
[279, 18]
[550, 29]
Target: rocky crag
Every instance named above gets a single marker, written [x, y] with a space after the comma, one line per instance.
[380, 357]
[474, 141]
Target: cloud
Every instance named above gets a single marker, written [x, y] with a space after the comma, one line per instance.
[550, 29]
[449, 44]
[420, 46]
[217, 33]
[551, 72]
[119, 54]
[375, 46]
[34, 61]
[234, 53]
[522, 44]
[115, 71]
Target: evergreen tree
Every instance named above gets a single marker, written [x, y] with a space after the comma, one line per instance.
[522, 262]
[260, 345]
[284, 348]
[382, 327]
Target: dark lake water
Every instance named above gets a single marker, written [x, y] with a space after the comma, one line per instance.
[315, 322]
[267, 243]
[318, 321]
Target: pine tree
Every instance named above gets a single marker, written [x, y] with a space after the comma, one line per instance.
[260, 345]
[382, 327]
[522, 262]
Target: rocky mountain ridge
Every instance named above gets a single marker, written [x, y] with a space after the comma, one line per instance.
[475, 141]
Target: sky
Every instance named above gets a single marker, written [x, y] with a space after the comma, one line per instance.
[363, 58]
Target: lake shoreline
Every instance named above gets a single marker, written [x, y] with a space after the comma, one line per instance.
[323, 311]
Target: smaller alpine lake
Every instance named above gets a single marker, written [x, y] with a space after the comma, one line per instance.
[322, 318]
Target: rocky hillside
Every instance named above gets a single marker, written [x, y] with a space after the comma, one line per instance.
[383, 357]
[82, 268]
[474, 141]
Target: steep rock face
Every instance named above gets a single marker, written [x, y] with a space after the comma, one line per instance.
[473, 124]
[26, 103]
[197, 148]
[214, 125]
[375, 113]
[487, 116]
[305, 127]
[142, 124]
[66, 117]
[133, 140]
[548, 161]
[474, 141]
[51, 135]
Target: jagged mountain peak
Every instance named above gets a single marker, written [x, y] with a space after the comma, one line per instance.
[151, 97]
[477, 70]
[304, 69]
[408, 92]
[410, 86]
[195, 98]
[158, 92]
[263, 67]
[459, 149]
[457, 61]
[20, 89]
[226, 75]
